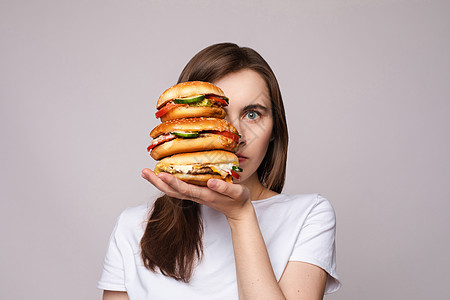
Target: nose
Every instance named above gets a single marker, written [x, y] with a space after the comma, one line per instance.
[241, 143]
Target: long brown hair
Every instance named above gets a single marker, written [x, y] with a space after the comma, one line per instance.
[172, 241]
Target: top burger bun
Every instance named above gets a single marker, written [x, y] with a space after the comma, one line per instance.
[188, 89]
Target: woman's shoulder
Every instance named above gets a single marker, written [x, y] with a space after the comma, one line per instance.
[135, 211]
[302, 203]
[316, 202]
[294, 199]
[312, 199]
[133, 217]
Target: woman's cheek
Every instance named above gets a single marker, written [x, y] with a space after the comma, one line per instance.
[258, 133]
[264, 133]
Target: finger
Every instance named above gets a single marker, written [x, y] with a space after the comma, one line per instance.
[150, 176]
[185, 190]
[234, 191]
[146, 173]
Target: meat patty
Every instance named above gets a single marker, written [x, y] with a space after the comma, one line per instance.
[204, 170]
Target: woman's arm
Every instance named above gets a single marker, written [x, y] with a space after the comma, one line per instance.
[115, 295]
[255, 276]
[301, 280]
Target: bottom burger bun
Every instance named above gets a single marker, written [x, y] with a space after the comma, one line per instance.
[201, 179]
[198, 167]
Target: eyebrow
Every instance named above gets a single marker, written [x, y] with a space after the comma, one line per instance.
[255, 107]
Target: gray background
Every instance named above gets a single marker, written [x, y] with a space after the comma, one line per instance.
[366, 88]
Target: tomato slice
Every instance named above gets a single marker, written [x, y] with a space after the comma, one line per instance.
[227, 134]
[234, 174]
[219, 100]
[165, 109]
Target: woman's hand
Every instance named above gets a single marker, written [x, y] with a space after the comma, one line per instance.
[254, 273]
[233, 200]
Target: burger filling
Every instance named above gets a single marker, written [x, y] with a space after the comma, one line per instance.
[179, 134]
[223, 169]
[204, 102]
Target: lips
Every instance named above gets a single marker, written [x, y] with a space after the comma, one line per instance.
[241, 158]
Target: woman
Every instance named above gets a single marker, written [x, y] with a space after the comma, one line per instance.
[244, 240]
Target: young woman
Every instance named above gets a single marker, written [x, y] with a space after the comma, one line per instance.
[241, 240]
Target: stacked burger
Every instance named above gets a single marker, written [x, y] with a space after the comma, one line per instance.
[194, 142]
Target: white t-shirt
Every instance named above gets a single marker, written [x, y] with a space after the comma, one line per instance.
[294, 227]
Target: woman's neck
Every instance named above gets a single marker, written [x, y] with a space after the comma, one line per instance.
[257, 190]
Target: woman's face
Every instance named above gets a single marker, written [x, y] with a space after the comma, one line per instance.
[250, 111]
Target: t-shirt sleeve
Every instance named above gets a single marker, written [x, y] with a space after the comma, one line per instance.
[113, 277]
[316, 241]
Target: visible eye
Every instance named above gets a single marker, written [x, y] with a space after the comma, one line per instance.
[252, 115]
